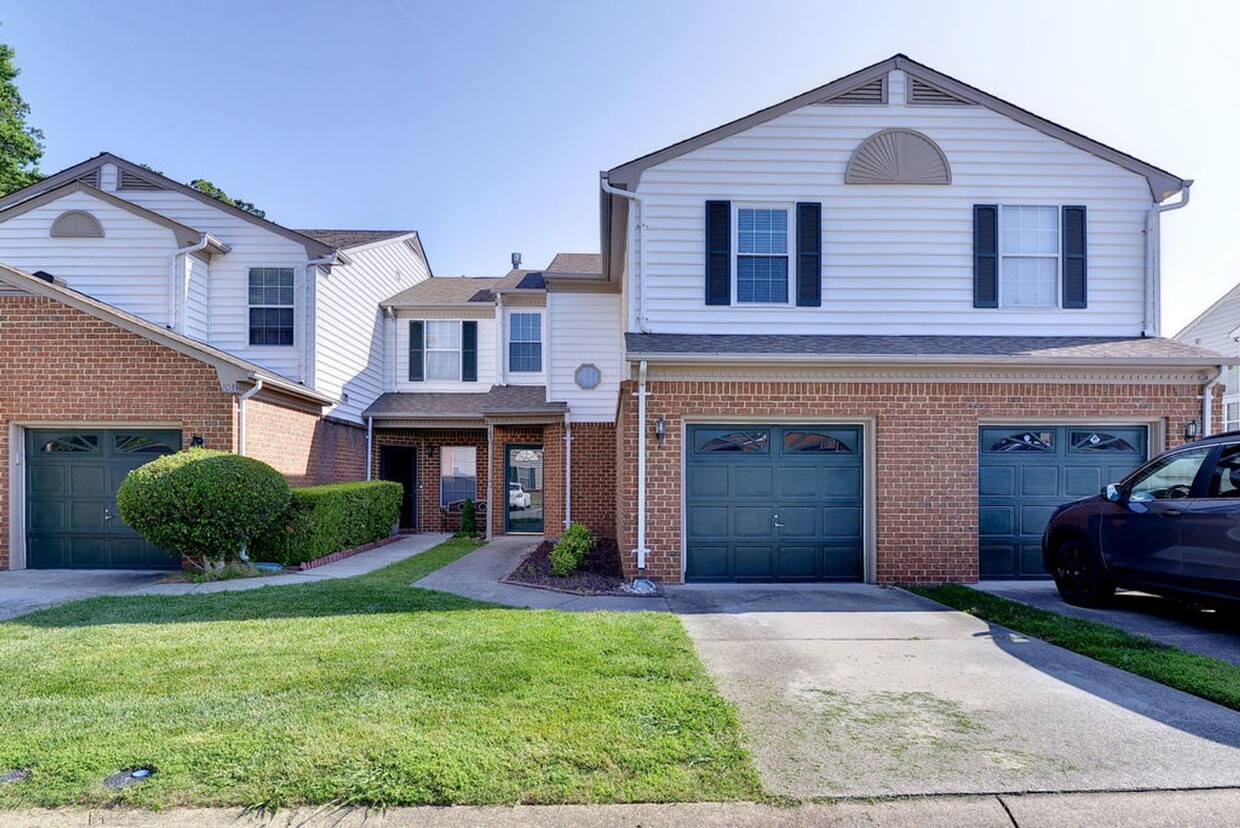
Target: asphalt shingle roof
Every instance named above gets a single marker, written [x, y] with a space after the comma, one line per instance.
[1072, 348]
[454, 290]
[344, 239]
[500, 399]
[578, 264]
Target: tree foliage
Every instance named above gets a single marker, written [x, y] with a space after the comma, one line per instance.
[21, 145]
[207, 188]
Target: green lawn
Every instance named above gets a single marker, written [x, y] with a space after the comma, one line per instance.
[359, 691]
[1212, 679]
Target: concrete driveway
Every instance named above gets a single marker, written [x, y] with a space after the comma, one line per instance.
[1199, 631]
[858, 691]
[27, 590]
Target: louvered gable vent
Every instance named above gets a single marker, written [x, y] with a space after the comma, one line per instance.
[91, 178]
[920, 92]
[129, 181]
[872, 93]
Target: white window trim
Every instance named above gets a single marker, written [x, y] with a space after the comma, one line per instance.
[1058, 257]
[542, 327]
[790, 208]
[459, 351]
[292, 307]
[1230, 425]
[443, 449]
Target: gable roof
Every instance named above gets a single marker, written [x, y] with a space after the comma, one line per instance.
[315, 249]
[461, 290]
[575, 264]
[185, 235]
[497, 401]
[231, 369]
[343, 239]
[613, 214]
[1226, 299]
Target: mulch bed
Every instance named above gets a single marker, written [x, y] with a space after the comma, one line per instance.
[601, 574]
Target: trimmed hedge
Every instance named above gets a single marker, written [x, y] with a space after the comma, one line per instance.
[203, 504]
[321, 520]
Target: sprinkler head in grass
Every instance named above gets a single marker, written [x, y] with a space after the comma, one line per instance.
[15, 775]
[128, 777]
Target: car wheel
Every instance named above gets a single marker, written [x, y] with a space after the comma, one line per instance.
[1080, 575]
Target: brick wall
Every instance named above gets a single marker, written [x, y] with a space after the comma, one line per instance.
[926, 461]
[58, 364]
[304, 447]
[427, 442]
[594, 477]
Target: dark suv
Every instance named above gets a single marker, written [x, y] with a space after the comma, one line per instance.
[1171, 527]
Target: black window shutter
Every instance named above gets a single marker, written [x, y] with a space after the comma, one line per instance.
[469, 351]
[809, 254]
[416, 371]
[985, 256]
[1074, 281]
[718, 253]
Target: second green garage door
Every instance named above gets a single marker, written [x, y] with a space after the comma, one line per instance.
[1026, 472]
[774, 503]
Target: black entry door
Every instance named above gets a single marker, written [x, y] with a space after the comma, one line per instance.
[400, 465]
[523, 507]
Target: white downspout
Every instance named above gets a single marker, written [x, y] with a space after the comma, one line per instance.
[176, 302]
[568, 471]
[241, 398]
[639, 278]
[1153, 265]
[370, 439]
[1207, 402]
[641, 466]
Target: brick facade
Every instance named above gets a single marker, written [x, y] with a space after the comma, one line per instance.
[304, 447]
[553, 473]
[925, 463]
[427, 443]
[594, 477]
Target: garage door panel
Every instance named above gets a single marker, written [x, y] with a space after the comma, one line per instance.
[799, 522]
[840, 482]
[753, 561]
[1033, 519]
[753, 482]
[1082, 481]
[997, 558]
[709, 521]
[85, 516]
[88, 551]
[1036, 480]
[53, 550]
[48, 515]
[753, 521]
[841, 521]
[47, 480]
[708, 562]
[90, 481]
[996, 520]
[999, 480]
[841, 562]
[798, 482]
[707, 482]
[800, 562]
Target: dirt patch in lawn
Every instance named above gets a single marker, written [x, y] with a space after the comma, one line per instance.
[601, 574]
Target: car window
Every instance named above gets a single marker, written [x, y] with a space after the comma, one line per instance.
[1225, 481]
[1168, 478]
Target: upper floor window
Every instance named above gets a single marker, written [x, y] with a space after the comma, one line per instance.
[762, 255]
[443, 350]
[1028, 256]
[271, 306]
[525, 342]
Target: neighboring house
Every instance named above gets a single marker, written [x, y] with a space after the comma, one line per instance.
[879, 331]
[1218, 328]
[148, 286]
[495, 382]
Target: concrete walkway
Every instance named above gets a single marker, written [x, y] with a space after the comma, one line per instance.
[856, 690]
[1170, 809]
[477, 576]
[1198, 631]
[27, 590]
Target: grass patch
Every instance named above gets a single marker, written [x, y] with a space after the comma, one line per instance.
[1209, 678]
[359, 691]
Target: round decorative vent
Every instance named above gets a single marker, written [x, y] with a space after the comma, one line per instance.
[898, 156]
[588, 376]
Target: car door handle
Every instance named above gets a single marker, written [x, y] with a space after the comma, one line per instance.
[1172, 512]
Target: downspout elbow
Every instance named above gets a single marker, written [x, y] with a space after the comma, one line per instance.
[640, 276]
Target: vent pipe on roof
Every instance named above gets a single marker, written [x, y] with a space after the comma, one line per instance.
[516, 261]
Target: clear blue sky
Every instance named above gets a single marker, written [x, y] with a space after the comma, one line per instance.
[484, 124]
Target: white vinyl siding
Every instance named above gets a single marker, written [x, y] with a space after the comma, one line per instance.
[131, 267]
[896, 259]
[584, 328]
[1214, 330]
[197, 300]
[486, 358]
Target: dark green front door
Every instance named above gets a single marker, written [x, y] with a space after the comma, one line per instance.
[523, 500]
[1026, 472]
[774, 503]
[71, 480]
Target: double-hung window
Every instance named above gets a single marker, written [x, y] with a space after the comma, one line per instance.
[271, 306]
[458, 473]
[525, 342]
[1028, 256]
[762, 255]
[443, 350]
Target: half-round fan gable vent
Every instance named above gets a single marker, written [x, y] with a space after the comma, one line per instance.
[76, 224]
[898, 156]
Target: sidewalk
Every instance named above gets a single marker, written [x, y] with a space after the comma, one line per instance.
[1158, 808]
[477, 576]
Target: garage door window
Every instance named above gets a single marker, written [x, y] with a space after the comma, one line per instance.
[737, 442]
[141, 444]
[806, 442]
[71, 443]
[1101, 442]
[1025, 441]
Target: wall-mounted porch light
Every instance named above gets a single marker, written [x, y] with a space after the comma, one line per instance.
[660, 429]
[196, 441]
[1192, 430]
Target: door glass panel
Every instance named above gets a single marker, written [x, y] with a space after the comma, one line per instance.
[71, 443]
[141, 444]
[1170, 478]
[1225, 481]
[737, 442]
[1100, 441]
[524, 500]
[1025, 441]
[799, 442]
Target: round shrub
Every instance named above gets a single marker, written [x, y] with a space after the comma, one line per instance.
[206, 505]
[570, 551]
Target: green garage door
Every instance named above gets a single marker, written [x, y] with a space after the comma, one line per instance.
[71, 482]
[1025, 472]
[774, 503]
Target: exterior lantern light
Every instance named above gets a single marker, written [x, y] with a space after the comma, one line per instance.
[1192, 430]
[660, 429]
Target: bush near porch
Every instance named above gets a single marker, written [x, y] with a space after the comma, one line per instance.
[321, 520]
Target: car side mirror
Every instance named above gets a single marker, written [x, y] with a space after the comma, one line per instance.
[1114, 493]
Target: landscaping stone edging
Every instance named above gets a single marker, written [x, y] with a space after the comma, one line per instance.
[346, 553]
